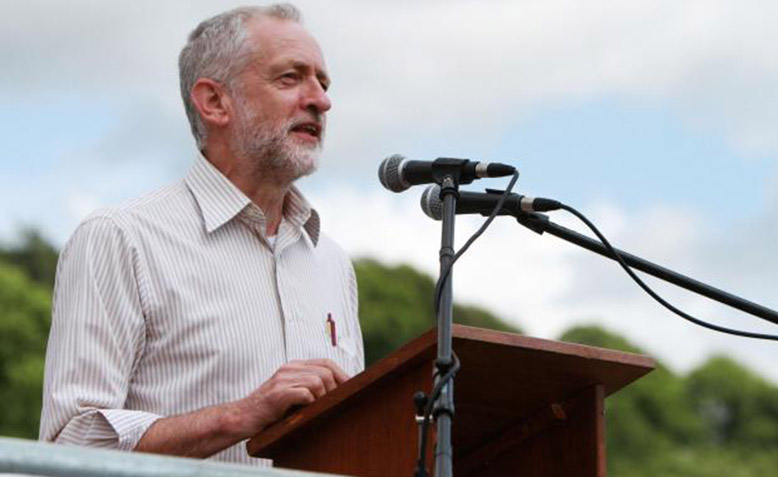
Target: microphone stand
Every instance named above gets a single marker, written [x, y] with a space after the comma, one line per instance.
[447, 173]
[540, 223]
[443, 409]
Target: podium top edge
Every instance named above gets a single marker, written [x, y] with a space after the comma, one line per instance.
[416, 352]
[464, 332]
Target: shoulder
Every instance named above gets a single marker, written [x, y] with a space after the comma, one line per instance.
[161, 202]
[120, 224]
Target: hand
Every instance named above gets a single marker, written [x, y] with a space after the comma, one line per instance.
[296, 383]
[204, 432]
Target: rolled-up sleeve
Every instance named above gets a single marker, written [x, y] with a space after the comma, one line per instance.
[97, 337]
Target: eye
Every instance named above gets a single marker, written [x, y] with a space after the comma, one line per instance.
[291, 77]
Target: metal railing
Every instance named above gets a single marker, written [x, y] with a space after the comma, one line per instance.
[26, 457]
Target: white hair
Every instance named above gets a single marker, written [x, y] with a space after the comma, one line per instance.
[217, 49]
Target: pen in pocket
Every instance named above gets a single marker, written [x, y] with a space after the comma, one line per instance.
[331, 329]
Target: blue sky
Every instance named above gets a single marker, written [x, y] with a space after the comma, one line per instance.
[634, 155]
[658, 119]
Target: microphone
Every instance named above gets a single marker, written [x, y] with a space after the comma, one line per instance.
[397, 173]
[484, 202]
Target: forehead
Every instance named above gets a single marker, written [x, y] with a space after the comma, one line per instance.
[281, 42]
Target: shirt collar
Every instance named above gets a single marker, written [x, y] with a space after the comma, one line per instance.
[221, 201]
[299, 213]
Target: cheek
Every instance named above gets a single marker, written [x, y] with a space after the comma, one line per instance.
[282, 111]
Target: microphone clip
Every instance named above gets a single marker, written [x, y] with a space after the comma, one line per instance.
[449, 173]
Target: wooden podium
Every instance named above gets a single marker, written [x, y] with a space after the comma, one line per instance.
[524, 406]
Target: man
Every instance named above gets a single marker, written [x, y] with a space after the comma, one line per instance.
[191, 319]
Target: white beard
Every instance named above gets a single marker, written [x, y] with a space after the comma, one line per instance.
[272, 148]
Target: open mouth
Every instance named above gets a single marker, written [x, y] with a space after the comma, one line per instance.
[310, 130]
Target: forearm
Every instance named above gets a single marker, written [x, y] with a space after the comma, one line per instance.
[207, 431]
[198, 434]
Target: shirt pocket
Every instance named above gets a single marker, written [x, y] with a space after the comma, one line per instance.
[342, 348]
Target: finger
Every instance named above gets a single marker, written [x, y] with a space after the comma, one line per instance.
[340, 375]
[313, 382]
[292, 398]
[271, 405]
[298, 396]
[319, 367]
[293, 375]
[326, 375]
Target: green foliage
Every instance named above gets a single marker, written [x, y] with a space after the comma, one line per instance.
[719, 421]
[34, 255]
[599, 337]
[739, 408]
[649, 415]
[24, 325]
[395, 305]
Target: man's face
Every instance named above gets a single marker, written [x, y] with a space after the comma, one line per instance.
[280, 100]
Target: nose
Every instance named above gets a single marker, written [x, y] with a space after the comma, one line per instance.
[316, 98]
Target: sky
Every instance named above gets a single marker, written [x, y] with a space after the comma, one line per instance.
[657, 119]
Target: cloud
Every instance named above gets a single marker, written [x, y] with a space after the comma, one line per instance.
[546, 285]
[473, 68]
[435, 78]
[416, 70]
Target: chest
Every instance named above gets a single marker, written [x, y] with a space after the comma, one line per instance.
[232, 305]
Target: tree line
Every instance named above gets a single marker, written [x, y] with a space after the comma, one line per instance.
[721, 419]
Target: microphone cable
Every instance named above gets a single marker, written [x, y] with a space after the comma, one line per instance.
[421, 469]
[445, 274]
[447, 271]
[617, 256]
[454, 366]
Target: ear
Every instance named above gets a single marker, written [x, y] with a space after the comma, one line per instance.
[212, 101]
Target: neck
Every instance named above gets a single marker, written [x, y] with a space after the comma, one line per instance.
[265, 189]
[268, 195]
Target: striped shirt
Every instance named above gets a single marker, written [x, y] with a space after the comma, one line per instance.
[177, 301]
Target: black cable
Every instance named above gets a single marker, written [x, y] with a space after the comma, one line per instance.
[446, 273]
[616, 255]
[421, 470]
[444, 276]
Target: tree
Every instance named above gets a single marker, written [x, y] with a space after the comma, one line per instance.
[24, 325]
[721, 420]
[395, 305]
[738, 407]
[646, 419]
[33, 254]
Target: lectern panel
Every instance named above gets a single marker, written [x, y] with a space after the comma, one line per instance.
[524, 406]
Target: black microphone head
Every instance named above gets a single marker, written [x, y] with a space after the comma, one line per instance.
[390, 175]
[430, 202]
